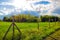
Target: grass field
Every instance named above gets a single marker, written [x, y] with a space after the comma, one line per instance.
[29, 30]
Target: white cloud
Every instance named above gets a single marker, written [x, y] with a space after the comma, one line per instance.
[5, 3]
[42, 7]
[6, 11]
[26, 5]
[1, 13]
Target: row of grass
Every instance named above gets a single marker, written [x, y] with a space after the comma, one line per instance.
[29, 30]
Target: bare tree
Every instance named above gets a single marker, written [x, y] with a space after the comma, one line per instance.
[38, 11]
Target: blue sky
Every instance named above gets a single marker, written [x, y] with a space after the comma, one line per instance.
[57, 10]
[42, 2]
[36, 7]
[5, 0]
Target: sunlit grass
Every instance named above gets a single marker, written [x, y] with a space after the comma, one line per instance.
[29, 30]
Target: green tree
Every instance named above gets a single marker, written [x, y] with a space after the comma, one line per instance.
[5, 18]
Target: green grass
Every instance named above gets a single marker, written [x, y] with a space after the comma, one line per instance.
[55, 35]
[29, 30]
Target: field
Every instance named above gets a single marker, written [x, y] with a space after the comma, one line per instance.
[30, 31]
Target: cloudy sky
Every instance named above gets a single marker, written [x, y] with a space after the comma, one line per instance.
[34, 7]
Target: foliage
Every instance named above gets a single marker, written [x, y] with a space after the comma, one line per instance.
[51, 18]
[22, 18]
[0, 20]
[31, 18]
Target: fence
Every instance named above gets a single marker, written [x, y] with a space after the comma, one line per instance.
[20, 33]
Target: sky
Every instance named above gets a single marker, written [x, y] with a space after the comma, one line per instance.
[34, 7]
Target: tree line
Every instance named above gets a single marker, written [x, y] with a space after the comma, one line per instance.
[31, 18]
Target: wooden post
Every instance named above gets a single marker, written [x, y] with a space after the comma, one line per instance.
[55, 20]
[13, 25]
[39, 17]
[49, 21]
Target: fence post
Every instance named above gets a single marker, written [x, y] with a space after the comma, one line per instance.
[13, 25]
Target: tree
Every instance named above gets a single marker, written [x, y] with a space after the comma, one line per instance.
[5, 18]
[0, 20]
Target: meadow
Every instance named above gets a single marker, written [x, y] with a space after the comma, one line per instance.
[30, 30]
